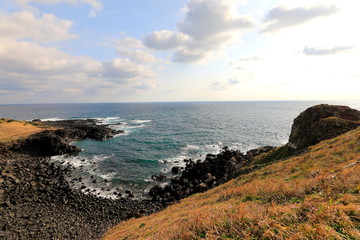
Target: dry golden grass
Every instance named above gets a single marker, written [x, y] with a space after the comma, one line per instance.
[12, 130]
[312, 196]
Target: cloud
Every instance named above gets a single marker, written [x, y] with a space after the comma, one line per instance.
[18, 57]
[321, 51]
[220, 86]
[26, 25]
[249, 59]
[53, 70]
[186, 56]
[165, 40]
[96, 5]
[207, 28]
[130, 42]
[207, 19]
[120, 70]
[233, 82]
[282, 17]
[134, 50]
[140, 56]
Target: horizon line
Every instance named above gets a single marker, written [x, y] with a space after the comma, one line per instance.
[199, 101]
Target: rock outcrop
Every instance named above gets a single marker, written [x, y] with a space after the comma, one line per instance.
[321, 122]
[57, 142]
[199, 176]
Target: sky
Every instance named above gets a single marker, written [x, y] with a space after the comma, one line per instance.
[68, 51]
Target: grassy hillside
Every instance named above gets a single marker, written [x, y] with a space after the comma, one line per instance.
[311, 196]
[12, 129]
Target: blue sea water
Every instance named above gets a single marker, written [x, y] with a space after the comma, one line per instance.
[160, 135]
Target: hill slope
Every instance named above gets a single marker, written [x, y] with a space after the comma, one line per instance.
[311, 196]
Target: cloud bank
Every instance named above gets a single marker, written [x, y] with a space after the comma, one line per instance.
[31, 64]
[26, 25]
[208, 27]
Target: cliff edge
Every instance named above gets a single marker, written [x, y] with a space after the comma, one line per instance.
[322, 122]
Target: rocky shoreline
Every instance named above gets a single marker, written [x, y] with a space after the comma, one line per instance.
[199, 176]
[37, 202]
[312, 126]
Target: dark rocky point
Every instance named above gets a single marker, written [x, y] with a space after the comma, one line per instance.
[198, 176]
[322, 122]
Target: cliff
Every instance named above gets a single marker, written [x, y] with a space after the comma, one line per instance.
[322, 122]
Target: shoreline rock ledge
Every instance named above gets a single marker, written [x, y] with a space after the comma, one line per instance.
[57, 141]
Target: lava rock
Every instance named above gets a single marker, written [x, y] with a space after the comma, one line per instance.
[321, 122]
[175, 170]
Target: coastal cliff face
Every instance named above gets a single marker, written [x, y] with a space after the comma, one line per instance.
[322, 122]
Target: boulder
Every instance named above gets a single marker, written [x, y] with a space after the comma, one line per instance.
[175, 170]
[321, 122]
[257, 151]
[159, 177]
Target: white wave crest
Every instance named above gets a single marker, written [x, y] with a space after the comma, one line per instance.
[77, 161]
[195, 152]
[52, 119]
[140, 121]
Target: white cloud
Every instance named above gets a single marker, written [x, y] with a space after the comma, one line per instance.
[208, 27]
[208, 19]
[54, 72]
[29, 57]
[140, 56]
[283, 17]
[95, 4]
[185, 55]
[130, 42]
[28, 67]
[220, 86]
[134, 50]
[321, 51]
[165, 40]
[26, 25]
[120, 70]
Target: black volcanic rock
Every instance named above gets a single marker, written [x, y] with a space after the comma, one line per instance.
[36, 202]
[322, 122]
[57, 142]
[198, 176]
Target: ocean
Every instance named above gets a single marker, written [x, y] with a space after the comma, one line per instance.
[159, 136]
